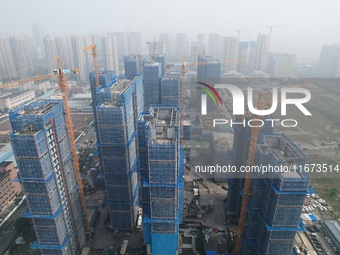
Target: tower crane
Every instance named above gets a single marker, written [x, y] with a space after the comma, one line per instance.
[60, 74]
[14, 84]
[254, 136]
[183, 64]
[69, 124]
[93, 47]
[271, 29]
[239, 31]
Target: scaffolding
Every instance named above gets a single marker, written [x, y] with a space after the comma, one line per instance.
[132, 66]
[43, 153]
[105, 78]
[161, 164]
[275, 203]
[151, 80]
[239, 154]
[209, 69]
[170, 90]
[115, 112]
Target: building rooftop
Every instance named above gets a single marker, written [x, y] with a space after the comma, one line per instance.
[5, 164]
[151, 64]
[170, 78]
[82, 97]
[131, 57]
[281, 147]
[118, 88]
[37, 109]
[163, 122]
[334, 227]
[285, 152]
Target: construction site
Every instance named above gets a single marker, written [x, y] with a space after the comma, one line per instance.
[136, 171]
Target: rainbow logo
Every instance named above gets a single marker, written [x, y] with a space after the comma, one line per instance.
[210, 92]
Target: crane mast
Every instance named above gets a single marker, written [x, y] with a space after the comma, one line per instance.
[69, 125]
[60, 73]
[254, 136]
[13, 84]
[93, 48]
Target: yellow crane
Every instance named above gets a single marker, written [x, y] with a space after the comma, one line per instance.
[69, 124]
[254, 136]
[14, 84]
[60, 74]
[93, 47]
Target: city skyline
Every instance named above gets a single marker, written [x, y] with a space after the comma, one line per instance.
[297, 23]
[131, 153]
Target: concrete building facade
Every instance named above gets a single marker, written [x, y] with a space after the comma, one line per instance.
[12, 100]
[230, 54]
[110, 52]
[329, 61]
[281, 65]
[243, 57]
[8, 69]
[152, 83]
[7, 192]
[208, 68]
[134, 43]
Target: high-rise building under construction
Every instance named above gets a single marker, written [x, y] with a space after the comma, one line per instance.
[275, 200]
[132, 66]
[42, 150]
[152, 85]
[275, 203]
[161, 164]
[117, 105]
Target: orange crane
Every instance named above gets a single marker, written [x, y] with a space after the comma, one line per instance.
[69, 125]
[14, 84]
[254, 136]
[182, 65]
[60, 73]
[93, 47]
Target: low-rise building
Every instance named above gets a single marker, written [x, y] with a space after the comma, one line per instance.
[332, 231]
[9, 166]
[14, 99]
[7, 189]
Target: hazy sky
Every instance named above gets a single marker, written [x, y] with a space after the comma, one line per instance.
[303, 25]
